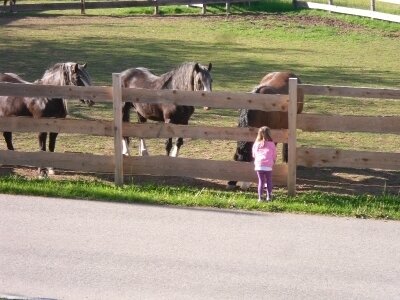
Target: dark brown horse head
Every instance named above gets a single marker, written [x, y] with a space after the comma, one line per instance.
[278, 83]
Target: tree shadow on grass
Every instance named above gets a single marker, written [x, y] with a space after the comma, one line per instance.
[349, 181]
[106, 56]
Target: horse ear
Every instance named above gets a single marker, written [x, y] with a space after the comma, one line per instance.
[84, 65]
[209, 67]
[76, 68]
[255, 90]
[197, 67]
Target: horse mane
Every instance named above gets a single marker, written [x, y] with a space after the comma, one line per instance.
[53, 73]
[181, 77]
[61, 74]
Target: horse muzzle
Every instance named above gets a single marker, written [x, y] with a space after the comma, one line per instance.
[88, 102]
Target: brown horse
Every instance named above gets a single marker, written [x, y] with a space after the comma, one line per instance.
[272, 83]
[190, 76]
[69, 73]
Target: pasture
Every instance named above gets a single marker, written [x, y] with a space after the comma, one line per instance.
[320, 48]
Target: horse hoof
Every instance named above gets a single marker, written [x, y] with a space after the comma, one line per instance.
[244, 185]
[50, 171]
[144, 153]
[231, 187]
[43, 173]
[206, 108]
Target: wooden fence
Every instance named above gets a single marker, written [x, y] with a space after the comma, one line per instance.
[152, 165]
[82, 5]
[284, 174]
[318, 157]
[372, 13]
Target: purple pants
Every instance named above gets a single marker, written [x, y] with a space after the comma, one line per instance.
[264, 177]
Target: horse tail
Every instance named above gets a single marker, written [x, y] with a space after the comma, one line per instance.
[126, 110]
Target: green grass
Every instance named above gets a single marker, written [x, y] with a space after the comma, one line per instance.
[242, 51]
[253, 7]
[361, 206]
[321, 48]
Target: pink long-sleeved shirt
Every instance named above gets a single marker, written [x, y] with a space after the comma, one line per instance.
[264, 154]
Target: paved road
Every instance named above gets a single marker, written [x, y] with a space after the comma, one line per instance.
[68, 249]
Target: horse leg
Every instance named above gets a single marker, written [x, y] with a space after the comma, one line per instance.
[52, 146]
[126, 109]
[179, 143]
[43, 172]
[42, 141]
[125, 146]
[8, 139]
[143, 148]
[168, 145]
[285, 152]
[243, 153]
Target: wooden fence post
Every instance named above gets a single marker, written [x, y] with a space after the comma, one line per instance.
[373, 5]
[117, 107]
[228, 7]
[204, 9]
[83, 7]
[292, 156]
[156, 8]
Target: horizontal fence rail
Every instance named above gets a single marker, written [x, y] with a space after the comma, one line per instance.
[27, 124]
[95, 93]
[111, 4]
[81, 162]
[319, 157]
[146, 130]
[314, 122]
[210, 99]
[178, 97]
[198, 168]
[145, 165]
[349, 11]
[347, 91]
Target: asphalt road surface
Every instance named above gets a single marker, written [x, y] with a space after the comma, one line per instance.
[69, 249]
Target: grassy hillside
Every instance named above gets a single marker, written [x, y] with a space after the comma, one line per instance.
[321, 48]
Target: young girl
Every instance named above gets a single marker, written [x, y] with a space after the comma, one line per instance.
[264, 153]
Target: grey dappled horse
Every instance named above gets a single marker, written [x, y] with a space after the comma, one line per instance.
[69, 73]
[189, 76]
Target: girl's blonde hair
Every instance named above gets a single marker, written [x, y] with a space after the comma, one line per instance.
[264, 134]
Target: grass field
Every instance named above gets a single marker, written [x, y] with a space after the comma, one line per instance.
[380, 6]
[321, 48]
